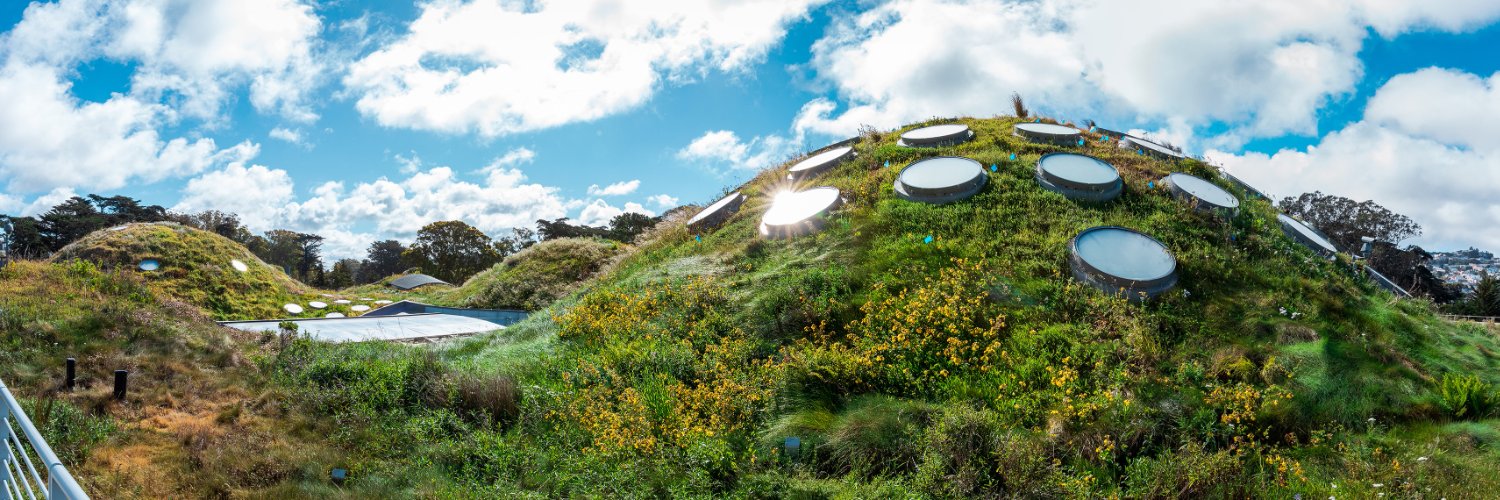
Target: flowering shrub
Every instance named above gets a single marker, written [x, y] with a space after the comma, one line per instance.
[714, 388]
[921, 336]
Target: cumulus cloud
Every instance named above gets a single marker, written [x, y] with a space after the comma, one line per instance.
[188, 57]
[662, 201]
[1261, 68]
[198, 51]
[723, 148]
[351, 216]
[599, 212]
[1445, 176]
[293, 136]
[494, 67]
[617, 189]
[518, 156]
[48, 139]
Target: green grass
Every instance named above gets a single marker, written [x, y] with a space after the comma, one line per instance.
[196, 269]
[969, 366]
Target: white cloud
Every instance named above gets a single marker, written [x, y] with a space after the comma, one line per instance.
[49, 139]
[45, 202]
[1446, 177]
[599, 212]
[351, 216]
[617, 189]
[724, 148]
[1263, 68]
[662, 201]
[293, 136]
[518, 156]
[495, 67]
[259, 195]
[188, 57]
[197, 52]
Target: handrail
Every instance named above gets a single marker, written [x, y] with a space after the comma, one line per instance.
[1477, 319]
[19, 478]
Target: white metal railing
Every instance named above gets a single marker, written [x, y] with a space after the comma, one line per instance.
[29, 469]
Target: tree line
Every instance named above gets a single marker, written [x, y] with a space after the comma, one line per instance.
[448, 250]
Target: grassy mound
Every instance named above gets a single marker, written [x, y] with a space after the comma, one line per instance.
[530, 279]
[533, 278]
[195, 423]
[944, 351]
[195, 268]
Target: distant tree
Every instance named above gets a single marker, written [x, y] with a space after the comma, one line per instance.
[560, 228]
[223, 223]
[1409, 269]
[626, 226]
[1020, 107]
[24, 237]
[520, 239]
[382, 259]
[1346, 221]
[69, 221]
[451, 251]
[282, 248]
[1485, 301]
[342, 275]
[124, 209]
[311, 259]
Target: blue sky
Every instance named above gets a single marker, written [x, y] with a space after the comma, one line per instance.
[362, 121]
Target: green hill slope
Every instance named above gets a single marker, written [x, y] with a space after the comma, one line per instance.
[536, 276]
[195, 267]
[945, 351]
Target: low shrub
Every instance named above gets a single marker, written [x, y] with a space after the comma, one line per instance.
[1467, 397]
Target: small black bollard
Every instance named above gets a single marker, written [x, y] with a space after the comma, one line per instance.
[120, 376]
[72, 376]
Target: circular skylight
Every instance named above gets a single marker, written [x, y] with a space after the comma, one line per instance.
[149, 265]
[717, 213]
[1049, 133]
[1154, 149]
[936, 135]
[360, 308]
[317, 305]
[238, 266]
[334, 315]
[382, 302]
[1115, 259]
[342, 301]
[292, 308]
[1079, 177]
[1203, 195]
[796, 213]
[820, 162]
[941, 180]
[1306, 235]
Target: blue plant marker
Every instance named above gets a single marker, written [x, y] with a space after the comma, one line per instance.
[793, 446]
[1139, 152]
[1151, 184]
[928, 239]
[1038, 120]
[697, 238]
[887, 164]
[1012, 157]
[994, 167]
[1080, 142]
